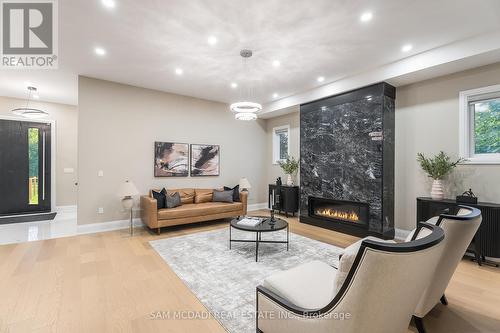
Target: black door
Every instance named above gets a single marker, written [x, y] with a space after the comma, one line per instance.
[24, 167]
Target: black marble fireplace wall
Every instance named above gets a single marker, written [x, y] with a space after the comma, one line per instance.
[347, 153]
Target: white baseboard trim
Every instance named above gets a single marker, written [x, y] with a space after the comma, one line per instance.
[66, 209]
[401, 234]
[124, 224]
[107, 226]
[257, 206]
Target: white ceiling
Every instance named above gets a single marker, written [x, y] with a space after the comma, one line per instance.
[146, 40]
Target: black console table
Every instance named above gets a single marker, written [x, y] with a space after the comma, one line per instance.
[286, 198]
[486, 242]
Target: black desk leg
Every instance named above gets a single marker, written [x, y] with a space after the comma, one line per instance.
[230, 236]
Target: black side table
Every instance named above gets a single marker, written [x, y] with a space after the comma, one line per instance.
[286, 198]
[486, 242]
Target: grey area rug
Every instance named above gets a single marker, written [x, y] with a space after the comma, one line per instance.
[224, 280]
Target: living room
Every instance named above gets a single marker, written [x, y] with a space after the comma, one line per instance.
[238, 167]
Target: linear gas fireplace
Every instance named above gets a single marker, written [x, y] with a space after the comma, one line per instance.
[341, 215]
[347, 153]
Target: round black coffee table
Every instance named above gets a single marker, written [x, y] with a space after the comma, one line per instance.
[265, 226]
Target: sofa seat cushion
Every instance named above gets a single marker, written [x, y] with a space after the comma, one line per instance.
[205, 208]
[310, 285]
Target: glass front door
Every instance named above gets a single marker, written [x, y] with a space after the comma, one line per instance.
[24, 167]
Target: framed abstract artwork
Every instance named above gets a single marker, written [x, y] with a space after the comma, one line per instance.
[171, 159]
[205, 160]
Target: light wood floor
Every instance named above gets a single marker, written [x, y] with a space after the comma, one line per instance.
[110, 282]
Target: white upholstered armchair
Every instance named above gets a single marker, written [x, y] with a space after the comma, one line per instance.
[374, 296]
[459, 230]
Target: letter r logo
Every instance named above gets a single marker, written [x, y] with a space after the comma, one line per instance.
[27, 27]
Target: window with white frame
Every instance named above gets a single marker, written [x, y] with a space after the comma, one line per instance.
[480, 125]
[281, 143]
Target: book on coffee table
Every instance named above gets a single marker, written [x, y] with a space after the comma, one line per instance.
[251, 221]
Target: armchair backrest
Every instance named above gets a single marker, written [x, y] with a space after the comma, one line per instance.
[381, 290]
[386, 281]
[459, 231]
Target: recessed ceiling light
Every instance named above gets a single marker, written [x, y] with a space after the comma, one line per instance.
[276, 63]
[36, 96]
[212, 40]
[179, 71]
[321, 79]
[109, 3]
[407, 48]
[100, 51]
[323, 108]
[275, 95]
[365, 17]
[234, 85]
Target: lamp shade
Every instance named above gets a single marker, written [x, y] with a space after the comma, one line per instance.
[127, 189]
[244, 183]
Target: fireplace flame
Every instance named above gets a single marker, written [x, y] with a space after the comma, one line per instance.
[338, 214]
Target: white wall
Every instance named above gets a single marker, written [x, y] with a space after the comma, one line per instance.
[427, 118]
[118, 125]
[66, 119]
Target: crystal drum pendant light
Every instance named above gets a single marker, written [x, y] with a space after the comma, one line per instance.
[28, 112]
[245, 116]
[245, 110]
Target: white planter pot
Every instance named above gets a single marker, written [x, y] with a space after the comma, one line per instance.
[289, 180]
[437, 190]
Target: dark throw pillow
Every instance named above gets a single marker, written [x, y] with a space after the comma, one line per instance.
[223, 196]
[173, 200]
[160, 198]
[236, 192]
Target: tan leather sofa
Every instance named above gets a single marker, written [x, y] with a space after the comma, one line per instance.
[197, 206]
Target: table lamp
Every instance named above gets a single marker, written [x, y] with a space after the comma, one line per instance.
[245, 184]
[126, 191]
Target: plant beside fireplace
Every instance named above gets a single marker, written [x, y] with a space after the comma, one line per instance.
[437, 168]
[289, 166]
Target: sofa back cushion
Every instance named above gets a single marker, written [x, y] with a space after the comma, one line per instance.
[203, 195]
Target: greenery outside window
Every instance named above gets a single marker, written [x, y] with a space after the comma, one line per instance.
[281, 144]
[480, 125]
[33, 184]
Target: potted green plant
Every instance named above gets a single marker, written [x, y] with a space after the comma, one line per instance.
[437, 168]
[289, 166]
